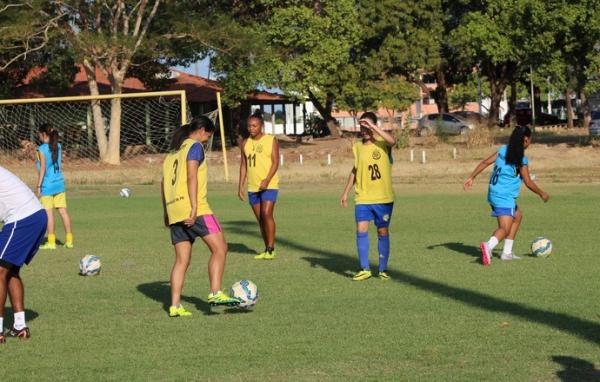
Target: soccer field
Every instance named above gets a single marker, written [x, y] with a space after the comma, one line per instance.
[441, 317]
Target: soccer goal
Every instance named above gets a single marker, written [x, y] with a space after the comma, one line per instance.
[146, 124]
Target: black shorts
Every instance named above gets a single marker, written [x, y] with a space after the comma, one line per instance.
[205, 225]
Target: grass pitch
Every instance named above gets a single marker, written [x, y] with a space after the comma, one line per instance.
[442, 316]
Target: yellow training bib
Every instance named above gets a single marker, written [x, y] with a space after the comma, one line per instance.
[175, 185]
[373, 173]
[258, 162]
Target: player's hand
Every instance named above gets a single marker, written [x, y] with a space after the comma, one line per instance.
[344, 200]
[545, 197]
[263, 185]
[366, 123]
[39, 192]
[468, 184]
[192, 219]
[242, 195]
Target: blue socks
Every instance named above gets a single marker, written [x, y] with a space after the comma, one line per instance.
[362, 244]
[384, 252]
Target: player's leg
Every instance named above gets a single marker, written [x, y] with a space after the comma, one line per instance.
[504, 224]
[216, 267]
[363, 215]
[254, 201]
[16, 293]
[3, 292]
[507, 251]
[383, 216]
[268, 227]
[183, 255]
[68, 228]
[51, 242]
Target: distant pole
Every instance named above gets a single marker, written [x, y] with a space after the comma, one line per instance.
[412, 155]
[423, 157]
[479, 98]
[329, 159]
[281, 159]
[222, 129]
[532, 96]
[301, 159]
[454, 153]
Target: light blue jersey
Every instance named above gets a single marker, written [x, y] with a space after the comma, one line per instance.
[54, 181]
[505, 182]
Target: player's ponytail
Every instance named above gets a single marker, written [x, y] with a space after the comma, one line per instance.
[52, 134]
[184, 131]
[516, 146]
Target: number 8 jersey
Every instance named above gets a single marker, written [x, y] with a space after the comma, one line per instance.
[373, 173]
[505, 181]
[175, 186]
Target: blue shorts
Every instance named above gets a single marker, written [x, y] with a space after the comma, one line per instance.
[380, 213]
[504, 211]
[262, 196]
[20, 240]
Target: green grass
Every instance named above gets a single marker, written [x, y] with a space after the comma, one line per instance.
[442, 317]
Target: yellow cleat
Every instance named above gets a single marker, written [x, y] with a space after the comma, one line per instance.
[269, 256]
[220, 298]
[178, 311]
[69, 245]
[261, 256]
[47, 245]
[383, 275]
[362, 275]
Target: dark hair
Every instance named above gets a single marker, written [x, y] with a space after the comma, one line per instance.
[52, 133]
[369, 115]
[516, 149]
[181, 134]
[258, 114]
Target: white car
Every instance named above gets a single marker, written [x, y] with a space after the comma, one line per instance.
[595, 124]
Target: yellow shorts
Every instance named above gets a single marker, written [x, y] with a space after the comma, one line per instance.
[54, 201]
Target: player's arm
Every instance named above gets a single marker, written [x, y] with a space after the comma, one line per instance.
[480, 167]
[387, 137]
[243, 170]
[41, 172]
[274, 165]
[164, 203]
[192, 185]
[349, 184]
[531, 184]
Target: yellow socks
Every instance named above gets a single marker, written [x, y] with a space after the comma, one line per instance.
[51, 239]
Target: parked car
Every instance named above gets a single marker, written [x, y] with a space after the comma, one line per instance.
[524, 117]
[469, 116]
[445, 123]
[595, 124]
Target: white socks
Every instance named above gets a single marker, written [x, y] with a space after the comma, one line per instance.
[492, 243]
[508, 245]
[20, 320]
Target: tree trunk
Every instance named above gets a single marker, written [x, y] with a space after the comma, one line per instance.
[537, 100]
[512, 105]
[325, 111]
[441, 92]
[496, 94]
[99, 126]
[586, 110]
[113, 154]
[569, 109]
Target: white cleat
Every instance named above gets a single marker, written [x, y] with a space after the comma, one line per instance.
[509, 256]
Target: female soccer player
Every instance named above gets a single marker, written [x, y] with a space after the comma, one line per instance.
[260, 161]
[24, 228]
[187, 213]
[372, 175]
[51, 184]
[510, 170]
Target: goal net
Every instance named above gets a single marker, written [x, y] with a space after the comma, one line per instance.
[147, 125]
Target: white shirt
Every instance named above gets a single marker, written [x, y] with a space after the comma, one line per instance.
[17, 201]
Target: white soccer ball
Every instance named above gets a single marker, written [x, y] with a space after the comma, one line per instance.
[89, 265]
[125, 192]
[246, 291]
[541, 247]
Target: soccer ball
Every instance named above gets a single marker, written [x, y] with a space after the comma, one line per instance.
[89, 265]
[125, 192]
[541, 247]
[246, 291]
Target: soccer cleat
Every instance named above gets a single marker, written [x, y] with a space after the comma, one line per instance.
[486, 257]
[362, 275]
[261, 256]
[21, 333]
[178, 312]
[269, 255]
[509, 256]
[221, 298]
[383, 275]
[47, 245]
[69, 245]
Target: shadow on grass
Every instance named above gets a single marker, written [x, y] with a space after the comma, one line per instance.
[576, 369]
[30, 315]
[161, 291]
[241, 249]
[468, 250]
[342, 264]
